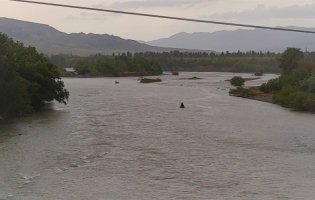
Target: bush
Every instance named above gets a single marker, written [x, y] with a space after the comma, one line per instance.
[298, 100]
[237, 81]
[294, 79]
[309, 103]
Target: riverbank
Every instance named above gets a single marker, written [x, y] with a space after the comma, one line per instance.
[122, 74]
[11, 119]
[254, 94]
[4, 120]
[8, 120]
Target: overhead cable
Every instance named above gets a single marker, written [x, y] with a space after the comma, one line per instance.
[167, 17]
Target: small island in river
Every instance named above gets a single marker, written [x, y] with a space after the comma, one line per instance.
[192, 78]
[150, 80]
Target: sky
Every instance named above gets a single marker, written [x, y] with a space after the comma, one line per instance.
[264, 13]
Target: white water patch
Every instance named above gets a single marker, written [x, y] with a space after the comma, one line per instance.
[27, 178]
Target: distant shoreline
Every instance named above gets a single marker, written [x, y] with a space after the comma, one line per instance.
[123, 74]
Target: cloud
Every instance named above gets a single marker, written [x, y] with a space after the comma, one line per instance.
[262, 12]
[91, 16]
[154, 3]
[71, 17]
[133, 4]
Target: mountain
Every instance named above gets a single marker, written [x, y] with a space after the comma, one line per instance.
[48, 40]
[141, 41]
[243, 40]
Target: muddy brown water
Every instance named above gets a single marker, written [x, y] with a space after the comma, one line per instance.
[132, 141]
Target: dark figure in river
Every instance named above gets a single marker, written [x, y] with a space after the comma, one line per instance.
[182, 105]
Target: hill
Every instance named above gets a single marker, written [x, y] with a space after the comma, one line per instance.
[48, 40]
[243, 40]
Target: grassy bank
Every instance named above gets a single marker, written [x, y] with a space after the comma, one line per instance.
[253, 93]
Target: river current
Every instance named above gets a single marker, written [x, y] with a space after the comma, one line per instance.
[131, 141]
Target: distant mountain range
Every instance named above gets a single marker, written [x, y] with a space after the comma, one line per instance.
[48, 40]
[243, 40]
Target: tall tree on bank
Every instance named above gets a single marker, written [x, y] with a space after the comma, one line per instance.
[289, 60]
[27, 79]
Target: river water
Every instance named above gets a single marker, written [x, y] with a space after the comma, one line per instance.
[132, 141]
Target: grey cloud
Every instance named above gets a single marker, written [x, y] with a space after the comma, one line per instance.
[71, 17]
[262, 12]
[154, 3]
[91, 16]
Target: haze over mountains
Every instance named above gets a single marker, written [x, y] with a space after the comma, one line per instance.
[243, 40]
[48, 40]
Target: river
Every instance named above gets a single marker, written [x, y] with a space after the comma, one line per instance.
[131, 141]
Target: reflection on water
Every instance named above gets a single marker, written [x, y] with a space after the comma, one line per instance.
[132, 141]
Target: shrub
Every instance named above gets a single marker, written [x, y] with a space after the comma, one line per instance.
[149, 80]
[237, 81]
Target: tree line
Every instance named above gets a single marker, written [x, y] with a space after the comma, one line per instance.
[226, 64]
[118, 66]
[178, 54]
[187, 61]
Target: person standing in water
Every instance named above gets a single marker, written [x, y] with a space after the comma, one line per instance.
[182, 105]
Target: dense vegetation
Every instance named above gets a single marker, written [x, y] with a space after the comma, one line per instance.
[27, 79]
[118, 66]
[295, 88]
[250, 61]
[218, 64]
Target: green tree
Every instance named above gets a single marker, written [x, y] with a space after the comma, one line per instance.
[43, 76]
[237, 81]
[289, 60]
[59, 60]
[27, 79]
[118, 65]
[14, 94]
[311, 83]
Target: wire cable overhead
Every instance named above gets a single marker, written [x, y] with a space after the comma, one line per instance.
[167, 17]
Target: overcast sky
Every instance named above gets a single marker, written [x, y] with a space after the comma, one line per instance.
[266, 13]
